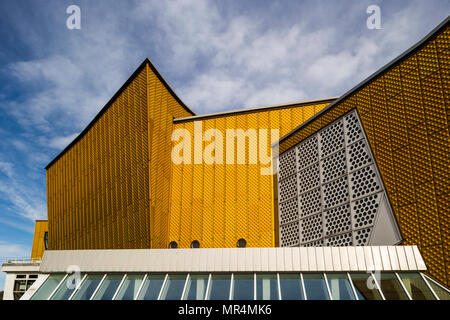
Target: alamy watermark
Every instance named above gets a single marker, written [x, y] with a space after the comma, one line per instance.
[374, 20]
[74, 19]
[239, 146]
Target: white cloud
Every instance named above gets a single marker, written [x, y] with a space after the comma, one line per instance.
[61, 142]
[6, 168]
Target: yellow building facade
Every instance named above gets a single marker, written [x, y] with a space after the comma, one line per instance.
[115, 186]
[40, 239]
[404, 109]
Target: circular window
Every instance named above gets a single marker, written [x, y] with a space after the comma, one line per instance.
[241, 243]
[195, 244]
[173, 244]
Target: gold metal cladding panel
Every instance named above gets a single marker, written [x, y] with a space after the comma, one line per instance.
[219, 203]
[162, 109]
[405, 113]
[38, 248]
[99, 172]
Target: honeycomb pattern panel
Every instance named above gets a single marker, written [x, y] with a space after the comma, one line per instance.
[317, 243]
[289, 235]
[364, 182]
[289, 211]
[312, 228]
[335, 193]
[339, 189]
[361, 236]
[333, 166]
[338, 220]
[288, 188]
[365, 210]
[310, 203]
[341, 240]
[331, 139]
[359, 156]
[308, 178]
[287, 164]
[307, 153]
[352, 128]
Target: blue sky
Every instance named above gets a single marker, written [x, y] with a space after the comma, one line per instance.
[217, 55]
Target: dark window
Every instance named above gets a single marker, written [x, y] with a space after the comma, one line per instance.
[173, 244]
[46, 240]
[195, 244]
[241, 243]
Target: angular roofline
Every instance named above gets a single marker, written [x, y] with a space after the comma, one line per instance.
[114, 97]
[251, 109]
[402, 56]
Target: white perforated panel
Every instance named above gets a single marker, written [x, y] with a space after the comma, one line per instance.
[287, 164]
[310, 203]
[311, 228]
[289, 234]
[331, 139]
[361, 237]
[341, 240]
[288, 188]
[289, 211]
[338, 191]
[307, 153]
[333, 166]
[308, 178]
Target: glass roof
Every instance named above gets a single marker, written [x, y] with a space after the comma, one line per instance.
[242, 286]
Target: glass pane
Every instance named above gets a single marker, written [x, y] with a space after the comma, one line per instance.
[291, 287]
[173, 289]
[220, 287]
[442, 293]
[20, 285]
[266, 287]
[47, 287]
[196, 287]
[109, 287]
[416, 286]
[130, 286]
[391, 287]
[315, 286]
[88, 287]
[30, 283]
[66, 289]
[243, 287]
[340, 286]
[152, 287]
[365, 286]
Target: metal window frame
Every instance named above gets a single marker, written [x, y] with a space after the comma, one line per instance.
[353, 286]
[254, 286]
[98, 287]
[377, 285]
[208, 287]
[77, 287]
[429, 286]
[119, 287]
[279, 286]
[57, 287]
[303, 286]
[140, 287]
[403, 286]
[230, 296]
[183, 293]
[328, 286]
[162, 287]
